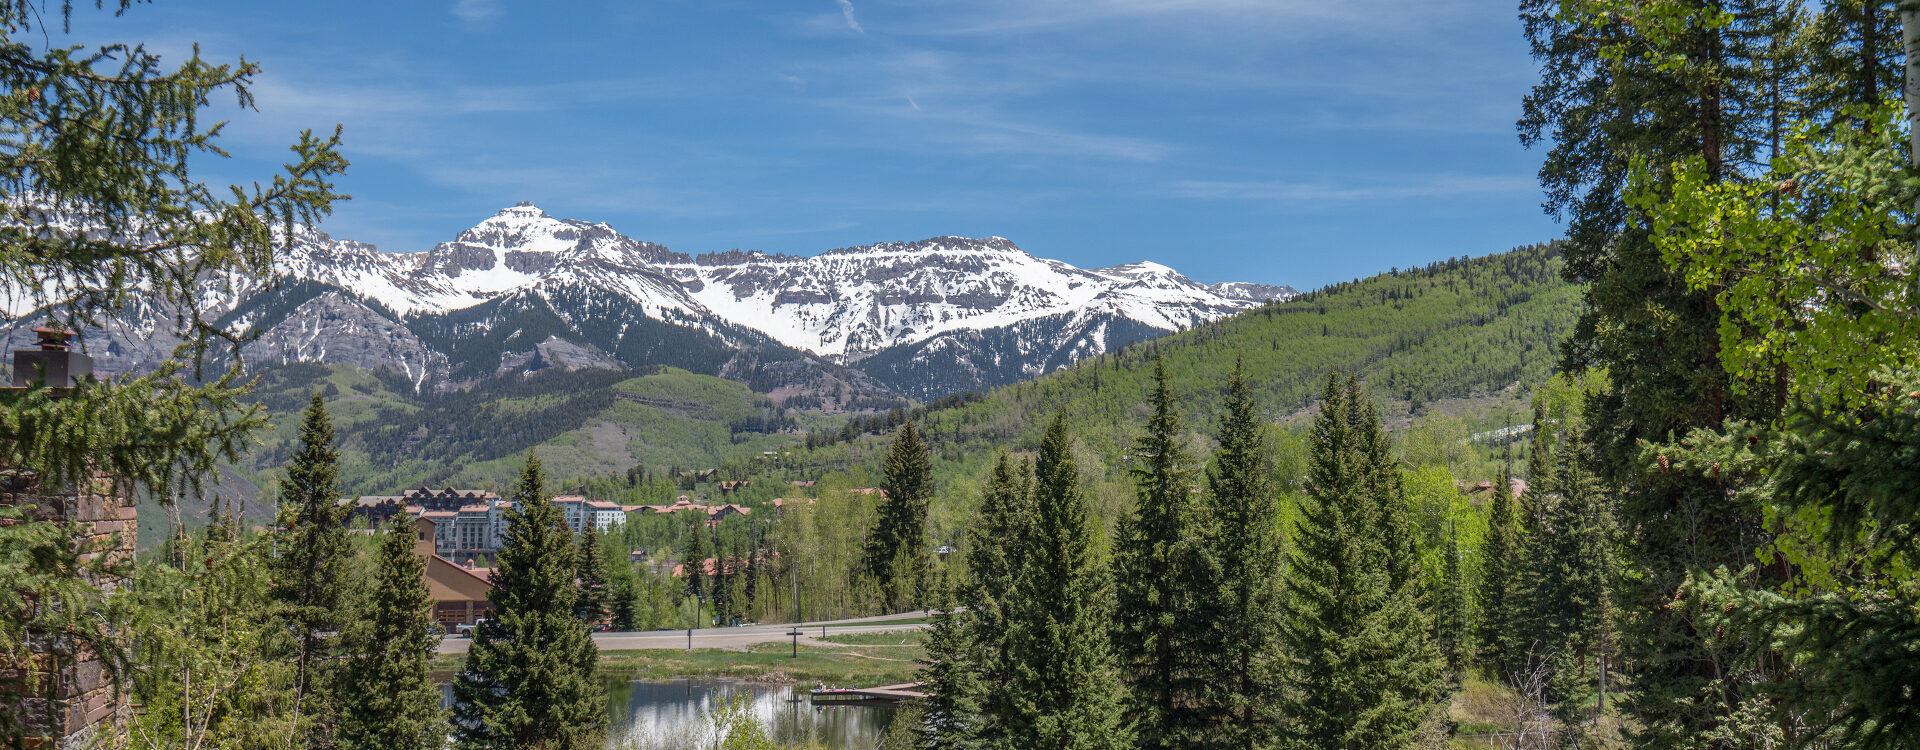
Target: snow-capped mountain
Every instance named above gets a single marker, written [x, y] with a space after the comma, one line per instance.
[523, 289]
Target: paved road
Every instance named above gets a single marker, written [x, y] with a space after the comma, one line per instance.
[735, 638]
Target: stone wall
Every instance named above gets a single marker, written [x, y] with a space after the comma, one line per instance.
[75, 702]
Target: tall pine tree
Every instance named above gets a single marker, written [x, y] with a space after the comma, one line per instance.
[591, 571]
[693, 558]
[1682, 85]
[528, 681]
[1451, 632]
[1572, 573]
[1362, 670]
[1240, 637]
[1162, 573]
[395, 702]
[897, 554]
[1064, 689]
[1502, 592]
[314, 556]
[951, 675]
[997, 545]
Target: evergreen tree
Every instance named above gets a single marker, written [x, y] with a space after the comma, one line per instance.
[1451, 631]
[1162, 574]
[951, 674]
[900, 534]
[1502, 584]
[529, 681]
[1686, 88]
[390, 700]
[625, 599]
[1572, 573]
[1362, 672]
[693, 559]
[595, 593]
[1380, 467]
[101, 215]
[1063, 691]
[997, 545]
[1241, 635]
[1540, 475]
[314, 556]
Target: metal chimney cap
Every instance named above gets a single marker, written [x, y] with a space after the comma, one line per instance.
[53, 339]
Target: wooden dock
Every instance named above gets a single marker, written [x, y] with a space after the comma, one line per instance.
[884, 694]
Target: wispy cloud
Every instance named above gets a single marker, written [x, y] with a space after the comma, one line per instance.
[478, 11]
[1328, 191]
[846, 10]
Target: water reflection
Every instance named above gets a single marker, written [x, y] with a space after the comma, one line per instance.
[644, 715]
[668, 714]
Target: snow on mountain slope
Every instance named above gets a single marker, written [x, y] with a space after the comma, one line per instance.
[853, 302]
[846, 304]
[929, 306]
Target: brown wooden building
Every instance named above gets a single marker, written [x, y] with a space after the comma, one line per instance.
[459, 594]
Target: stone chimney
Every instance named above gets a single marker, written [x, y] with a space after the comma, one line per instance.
[74, 703]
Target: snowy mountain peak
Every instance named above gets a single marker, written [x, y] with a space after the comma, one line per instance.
[934, 245]
[849, 304]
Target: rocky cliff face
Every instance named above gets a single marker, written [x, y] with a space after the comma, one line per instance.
[523, 291]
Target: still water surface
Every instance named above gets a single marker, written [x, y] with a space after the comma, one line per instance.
[644, 715]
[662, 714]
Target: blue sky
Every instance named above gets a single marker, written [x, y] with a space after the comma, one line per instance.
[1280, 141]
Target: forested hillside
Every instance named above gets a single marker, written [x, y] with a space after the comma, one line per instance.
[1466, 337]
[583, 423]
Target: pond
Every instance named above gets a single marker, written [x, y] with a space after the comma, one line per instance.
[648, 714]
[644, 714]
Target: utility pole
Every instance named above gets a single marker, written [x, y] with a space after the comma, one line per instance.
[796, 618]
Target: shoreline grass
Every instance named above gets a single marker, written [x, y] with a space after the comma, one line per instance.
[767, 663]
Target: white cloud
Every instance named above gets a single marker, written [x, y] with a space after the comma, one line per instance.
[478, 11]
[1412, 186]
[846, 9]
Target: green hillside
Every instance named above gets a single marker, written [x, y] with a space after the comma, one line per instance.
[581, 423]
[1465, 337]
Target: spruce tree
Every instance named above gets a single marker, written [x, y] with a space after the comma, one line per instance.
[1502, 571]
[1064, 690]
[1451, 631]
[693, 558]
[591, 571]
[1573, 572]
[390, 700]
[314, 557]
[997, 545]
[897, 554]
[1241, 635]
[1162, 574]
[951, 675]
[1362, 670]
[529, 681]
